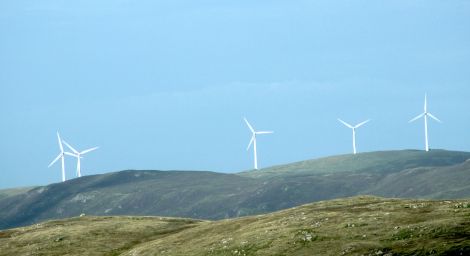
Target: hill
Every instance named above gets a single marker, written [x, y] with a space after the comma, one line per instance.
[210, 195]
[383, 162]
[13, 191]
[168, 193]
[353, 226]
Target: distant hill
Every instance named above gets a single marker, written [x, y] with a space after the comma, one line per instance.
[167, 193]
[209, 195]
[362, 225]
[13, 191]
[383, 162]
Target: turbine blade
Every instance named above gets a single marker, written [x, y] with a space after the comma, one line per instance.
[416, 118]
[251, 142]
[70, 147]
[55, 160]
[435, 118]
[347, 125]
[425, 103]
[60, 143]
[264, 132]
[361, 124]
[88, 150]
[71, 154]
[249, 125]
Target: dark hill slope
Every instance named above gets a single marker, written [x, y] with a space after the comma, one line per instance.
[426, 182]
[208, 195]
[378, 173]
[353, 226]
[13, 191]
[168, 193]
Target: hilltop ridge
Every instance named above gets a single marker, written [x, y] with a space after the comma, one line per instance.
[379, 161]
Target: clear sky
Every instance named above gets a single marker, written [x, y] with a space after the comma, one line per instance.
[165, 84]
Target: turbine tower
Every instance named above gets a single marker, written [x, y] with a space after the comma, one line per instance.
[425, 114]
[353, 131]
[78, 155]
[253, 141]
[60, 156]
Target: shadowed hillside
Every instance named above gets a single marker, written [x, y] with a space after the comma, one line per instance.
[353, 226]
[168, 193]
[14, 191]
[209, 195]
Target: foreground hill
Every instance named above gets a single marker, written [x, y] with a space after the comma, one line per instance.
[353, 226]
[209, 195]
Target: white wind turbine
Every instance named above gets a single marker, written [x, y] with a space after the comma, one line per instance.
[353, 131]
[78, 155]
[60, 156]
[253, 141]
[425, 114]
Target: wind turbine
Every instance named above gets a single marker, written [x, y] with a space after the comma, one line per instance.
[425, 114]
[353, 131]
[78, 155]
[60, 156]
[253, 141]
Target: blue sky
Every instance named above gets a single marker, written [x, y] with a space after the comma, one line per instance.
[165, 84]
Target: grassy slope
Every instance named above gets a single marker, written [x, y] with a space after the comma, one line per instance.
[352, 226]
[426, 182]
[381, 161]
[88, 235]
[208, 195]
[378, 173]
[4, 193]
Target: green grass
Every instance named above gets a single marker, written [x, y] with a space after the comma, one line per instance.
[362, 225]
[88, 235]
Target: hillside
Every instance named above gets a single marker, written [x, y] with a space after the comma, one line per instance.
[383, 162]
[167, 193]
[353, 226]
[13, 191]
[209, 195]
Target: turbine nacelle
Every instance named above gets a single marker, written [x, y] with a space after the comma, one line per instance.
[426, 114]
